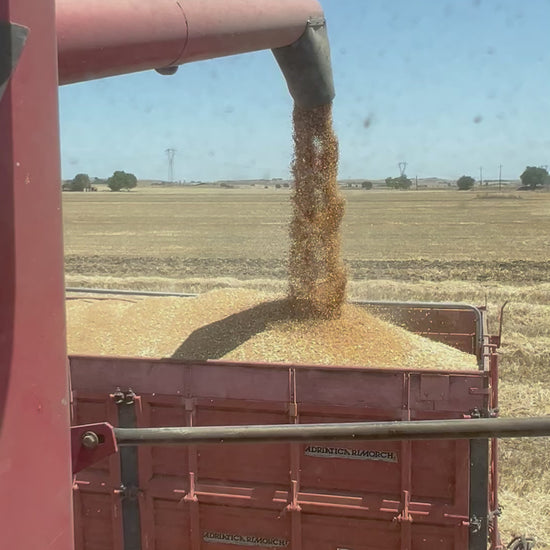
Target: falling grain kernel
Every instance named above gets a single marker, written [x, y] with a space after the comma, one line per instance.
[316, 271]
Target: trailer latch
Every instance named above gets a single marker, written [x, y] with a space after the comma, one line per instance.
[128, 492]
[91, 443]
[475, 524]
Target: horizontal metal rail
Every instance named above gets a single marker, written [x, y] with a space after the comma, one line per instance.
[111, 291]
[483, 428]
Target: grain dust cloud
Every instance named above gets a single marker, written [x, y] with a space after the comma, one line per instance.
[317, 276]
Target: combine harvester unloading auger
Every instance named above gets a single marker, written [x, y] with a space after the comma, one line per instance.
[295, 496]
[101, 38]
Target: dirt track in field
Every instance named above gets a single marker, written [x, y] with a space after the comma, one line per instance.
[511, 271]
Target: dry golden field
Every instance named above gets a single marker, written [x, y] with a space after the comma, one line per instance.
[425, 245]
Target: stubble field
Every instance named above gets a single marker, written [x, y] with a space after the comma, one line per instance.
[426, 245]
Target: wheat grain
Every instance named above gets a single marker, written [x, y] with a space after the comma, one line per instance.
[317, 275]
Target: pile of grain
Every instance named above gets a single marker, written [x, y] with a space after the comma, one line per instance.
[247, 325]
[316, 272]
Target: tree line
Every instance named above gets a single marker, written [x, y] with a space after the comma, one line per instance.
[117, 182]
[533, 177]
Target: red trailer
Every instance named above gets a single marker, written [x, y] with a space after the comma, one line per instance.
[324, 495]
[351, 495]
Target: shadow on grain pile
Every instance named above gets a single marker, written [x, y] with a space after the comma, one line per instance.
[215, 340]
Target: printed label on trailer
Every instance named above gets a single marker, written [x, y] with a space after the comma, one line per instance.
[244, 540]
[353, 454]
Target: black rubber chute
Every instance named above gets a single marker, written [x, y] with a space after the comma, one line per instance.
[12, 40]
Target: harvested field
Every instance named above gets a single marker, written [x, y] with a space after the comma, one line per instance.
[247, 325]
[426, 245]
[404, 230]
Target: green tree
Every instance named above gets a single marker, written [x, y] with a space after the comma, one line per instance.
[366, 185]
[534, 177]
[402, 182]
[80, 182]
[465, 182]
[121, 180]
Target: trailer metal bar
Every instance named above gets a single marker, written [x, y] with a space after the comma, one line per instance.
[481, 428]
[111, 291]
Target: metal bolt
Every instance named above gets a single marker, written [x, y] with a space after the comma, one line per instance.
[90, 440]
[118, 396]
[129, 397]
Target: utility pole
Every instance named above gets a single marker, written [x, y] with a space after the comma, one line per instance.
[170, 153]
[499, 177]
[416, 182]
[481, 176]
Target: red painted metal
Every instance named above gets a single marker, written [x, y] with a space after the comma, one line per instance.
[104, 38]
[83, 456]
[97, 512]
[289, 494]
[35, 455]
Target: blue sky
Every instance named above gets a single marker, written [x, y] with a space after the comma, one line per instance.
[447, 86]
